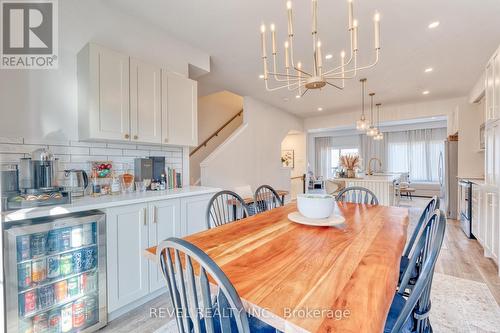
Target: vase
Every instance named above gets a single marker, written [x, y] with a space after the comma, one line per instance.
[351, 173]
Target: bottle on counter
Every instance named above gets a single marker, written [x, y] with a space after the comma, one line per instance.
[163, 182]
[115, 183]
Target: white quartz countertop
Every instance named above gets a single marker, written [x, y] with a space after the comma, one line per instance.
[373, 178]
[103, 202]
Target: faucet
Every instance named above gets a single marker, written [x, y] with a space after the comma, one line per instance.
[370, 171]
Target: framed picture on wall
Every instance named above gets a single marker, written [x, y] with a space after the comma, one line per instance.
[287, 158]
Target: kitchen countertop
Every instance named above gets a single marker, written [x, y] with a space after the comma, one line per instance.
[373, 178]
[107, 201]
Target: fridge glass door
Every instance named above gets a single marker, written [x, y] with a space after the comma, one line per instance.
[55, 276]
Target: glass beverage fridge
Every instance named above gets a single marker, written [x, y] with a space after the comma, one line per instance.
[55, 274]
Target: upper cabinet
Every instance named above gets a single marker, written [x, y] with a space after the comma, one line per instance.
[492, 85]
[179, 110]
[103, 94]
[122, 98]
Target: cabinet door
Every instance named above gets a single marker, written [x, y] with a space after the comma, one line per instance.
[110, 111]
[145, 99]
[164, 223]
[476, 202]
[193, 214]
[179, 110]
[489, 92]
[127, 236]
[496, 88]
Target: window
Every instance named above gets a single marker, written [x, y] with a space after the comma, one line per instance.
[337, 152]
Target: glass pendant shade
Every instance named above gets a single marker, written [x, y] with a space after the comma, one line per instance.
[372, 131]
[379, 136]
[361, 124]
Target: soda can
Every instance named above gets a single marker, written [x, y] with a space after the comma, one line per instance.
[66, 264]
[38, 244]
[65, 239]
[46, 297]
[41, 323]
[88, 234]
[26, 325]
[27, 302]
[61, 290]
[23, 247]
[24, 275]
[53, 267]
[67, 318]
[76, 236]
[78, 313]
[53, 240]
[77, 261]
[38, 270]
[90, 310]
[89, 258]
[90, 282]
[73, 286]
[55, 321]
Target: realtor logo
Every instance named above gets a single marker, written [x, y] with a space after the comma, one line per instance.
[29, 34]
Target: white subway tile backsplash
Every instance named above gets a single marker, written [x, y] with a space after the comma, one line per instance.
[63, 158]
[106, 151]
[66, 150]
[88, 144]
[46, 141]
[121, 145]
[83, 158]
[136, 153]
[11, 140]
[19, 149]
[149, 147]
[10, 158]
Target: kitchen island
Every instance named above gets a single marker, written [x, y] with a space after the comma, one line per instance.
[382, 185]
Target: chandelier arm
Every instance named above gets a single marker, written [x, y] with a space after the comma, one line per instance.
[286, 75]
[334, 85]
[280, 87]
[351, 57]
[275, 70]
[303, 72]
[361, 68]
[305, 91]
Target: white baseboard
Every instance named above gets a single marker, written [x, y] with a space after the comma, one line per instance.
[129, 307]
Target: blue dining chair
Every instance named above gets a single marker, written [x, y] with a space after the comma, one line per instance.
[266, 198]
[411, 314]
[429, 209]
[225, 207]
[204, 299]
[357, 194]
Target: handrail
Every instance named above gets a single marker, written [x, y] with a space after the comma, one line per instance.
[216, 133]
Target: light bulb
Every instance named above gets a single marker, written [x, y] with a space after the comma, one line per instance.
[372, 131]
[287, 45]
[299, 65]
[342, 54]
[288, 5]
[263, 28]
[376, 17]
[361, 124]
[355, 23]
[272, 27]
[318, 43]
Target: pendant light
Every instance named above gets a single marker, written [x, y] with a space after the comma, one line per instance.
[372, 130]
[362, 124]
[380, 135]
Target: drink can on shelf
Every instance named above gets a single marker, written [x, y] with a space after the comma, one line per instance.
[24, 275]
[26, 325]
[23, 247]
[53, 240]
[90, 310]
[89, 257]
[46, 297]
[38, 244]
[73, 286]
[77, 261]
[65, 239]
[40, 323]
[55, 321]
[78, 313]
[38, 270]
[90, 280]
[66, 264]
[53, 267]
[67, 318]
[88, 234]
[61, 290]
[27, 302]
[76, 236]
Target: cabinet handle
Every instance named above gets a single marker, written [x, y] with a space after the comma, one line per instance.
[155, 217]
[127, 136]
[145, 216]
[136, 137]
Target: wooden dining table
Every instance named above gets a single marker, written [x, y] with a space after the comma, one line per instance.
[301, 278]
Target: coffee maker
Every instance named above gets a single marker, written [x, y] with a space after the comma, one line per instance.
[9, 187]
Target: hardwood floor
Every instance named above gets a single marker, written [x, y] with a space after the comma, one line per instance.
[460, 257]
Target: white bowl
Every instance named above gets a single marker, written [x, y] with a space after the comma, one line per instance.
[315, 206]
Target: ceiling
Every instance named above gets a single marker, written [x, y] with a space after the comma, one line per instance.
[229, 31]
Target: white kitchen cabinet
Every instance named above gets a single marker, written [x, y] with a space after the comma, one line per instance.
[164, 222]
[193, 214]
[103, 94]
[179, 110]
[145, 102]
[128, 270]
[477, 201]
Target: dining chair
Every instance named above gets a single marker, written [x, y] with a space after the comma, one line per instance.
[266, 198]
[357, 194]
[204, 299]
[429, 209]
[412, 314]
[225, 207]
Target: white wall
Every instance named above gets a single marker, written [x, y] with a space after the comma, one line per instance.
[251, 156]
[470, 159]
[297, 143]
[42, 104]
[213, 111]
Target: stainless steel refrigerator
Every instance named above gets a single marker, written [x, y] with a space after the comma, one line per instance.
[448, 172]
[55, 274]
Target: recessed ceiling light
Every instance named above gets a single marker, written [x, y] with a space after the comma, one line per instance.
[297, 96]
[261, 76]
[320, 109]
[329, 56]
[426, 92]
[285, 99]
[434, 24]
[428, 70]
